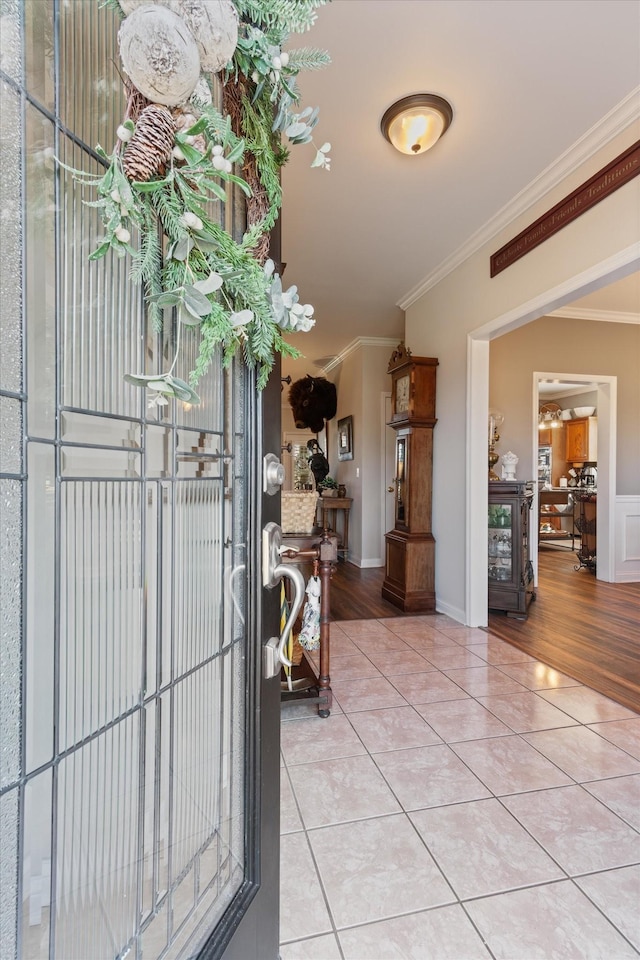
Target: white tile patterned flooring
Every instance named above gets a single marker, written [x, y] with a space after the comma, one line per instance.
[462, 801]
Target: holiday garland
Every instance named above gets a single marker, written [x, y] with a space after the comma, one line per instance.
[174, 161]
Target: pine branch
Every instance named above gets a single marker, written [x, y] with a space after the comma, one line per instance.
[290, 16]
[173, 274]
[169, 211]
[218, 127]
[215, 330]
[147, 261]
[148, 267]
[308, 58]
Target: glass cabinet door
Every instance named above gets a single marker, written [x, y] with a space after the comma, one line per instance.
[401, 481]
[500, 541]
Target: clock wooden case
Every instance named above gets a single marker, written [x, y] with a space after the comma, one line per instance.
[410, 547]
[413, 388]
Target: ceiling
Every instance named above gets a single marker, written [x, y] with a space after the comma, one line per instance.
[526, 81]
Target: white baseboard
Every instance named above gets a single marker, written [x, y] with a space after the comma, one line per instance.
[627, 540]
[366, 562]
[454, 612]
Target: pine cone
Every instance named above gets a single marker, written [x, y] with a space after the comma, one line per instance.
[151, 145]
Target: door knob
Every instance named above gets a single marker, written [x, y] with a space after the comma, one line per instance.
[390, 489]
[272, 474]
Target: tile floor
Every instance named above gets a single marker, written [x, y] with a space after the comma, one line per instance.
[462, 801]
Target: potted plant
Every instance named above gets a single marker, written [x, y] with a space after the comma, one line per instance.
[328, 487]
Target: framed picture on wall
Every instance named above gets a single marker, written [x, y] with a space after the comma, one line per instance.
[345, 438]
[323, 439]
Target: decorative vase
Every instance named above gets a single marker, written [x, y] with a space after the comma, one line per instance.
[342, 490]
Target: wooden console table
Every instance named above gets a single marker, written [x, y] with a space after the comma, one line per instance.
[329, 507]
[307, 685]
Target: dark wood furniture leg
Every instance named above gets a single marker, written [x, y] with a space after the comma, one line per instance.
[324, 680]
[324, 552]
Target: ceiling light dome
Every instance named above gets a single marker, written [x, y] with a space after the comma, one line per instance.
[416, 123]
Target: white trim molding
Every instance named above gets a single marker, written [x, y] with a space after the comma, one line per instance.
[615, 122]
[605, 316]
[454, 612]
[627, 521]
[355, 345]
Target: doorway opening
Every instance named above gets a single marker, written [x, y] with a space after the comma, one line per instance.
[604, 388]
[622, 264]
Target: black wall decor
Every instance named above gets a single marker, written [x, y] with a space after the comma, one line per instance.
[313, 400]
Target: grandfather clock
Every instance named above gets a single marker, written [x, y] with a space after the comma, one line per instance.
[409, 581]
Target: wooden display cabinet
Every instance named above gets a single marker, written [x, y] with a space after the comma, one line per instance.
[510, 570]
[410, 547]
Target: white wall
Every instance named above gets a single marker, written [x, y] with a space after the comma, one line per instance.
[440, 322]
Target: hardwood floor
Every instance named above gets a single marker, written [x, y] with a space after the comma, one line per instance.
[579, 625]
[356, 594]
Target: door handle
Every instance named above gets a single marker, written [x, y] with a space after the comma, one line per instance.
[272, 474]
[229, 576]
[390, 489]
[272, 572]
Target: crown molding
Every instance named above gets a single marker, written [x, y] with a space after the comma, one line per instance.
[613, 123]
[355, 345]
[606, 316]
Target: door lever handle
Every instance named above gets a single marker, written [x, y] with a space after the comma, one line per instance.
[272, 572]
[295, 575]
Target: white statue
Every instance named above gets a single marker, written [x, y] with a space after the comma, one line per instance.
[509, 463]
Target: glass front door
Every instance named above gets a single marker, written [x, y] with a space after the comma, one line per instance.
[138, 738]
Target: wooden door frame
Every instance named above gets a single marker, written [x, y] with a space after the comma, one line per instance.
[384, 426]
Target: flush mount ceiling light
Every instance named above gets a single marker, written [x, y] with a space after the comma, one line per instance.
[415, 123]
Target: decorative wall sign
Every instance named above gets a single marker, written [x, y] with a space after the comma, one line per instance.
[624, 168]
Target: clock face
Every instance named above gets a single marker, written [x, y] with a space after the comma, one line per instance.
[402, 394]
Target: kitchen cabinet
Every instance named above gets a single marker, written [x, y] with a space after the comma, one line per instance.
[581, 440]
[510, 569]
